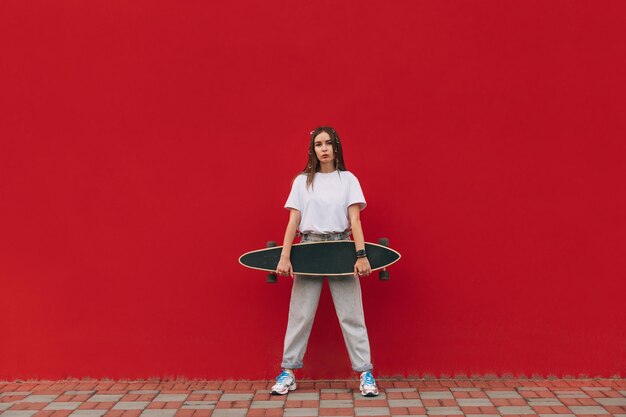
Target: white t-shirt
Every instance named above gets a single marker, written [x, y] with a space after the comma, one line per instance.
[324, 207]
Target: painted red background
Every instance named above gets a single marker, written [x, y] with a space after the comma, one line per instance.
[145, 145]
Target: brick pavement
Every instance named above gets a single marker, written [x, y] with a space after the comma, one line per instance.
[407, 397]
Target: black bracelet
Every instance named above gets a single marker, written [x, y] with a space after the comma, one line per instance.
[361, 253]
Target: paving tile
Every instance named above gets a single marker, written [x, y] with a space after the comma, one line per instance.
[555, 415]
[436, 395]
[207, 391]
[267, 404]
[6, 405]
[170, 398]
[303, 396]
[199, 405]
[79, 392]
[229, 412]
[39, 398]
[300, 412]
[130, 405]
[544, 402]
[14, 393]
[400, 389]
[335, 390]
[464, 389]
[596, 388]
[405, 403]
[516, 409]
[237, 397]
[585, 409]
[481, 415]
[611, 401]
[88, 413]
[537, 389]
[503, 394]
[571, 394]
[623, 393]
[19, 413]
[62, 405]
[445, 411]
[143, 391]
[164, 412]
[474, 402]
[105, 398]
[371, 411]
[336, 404]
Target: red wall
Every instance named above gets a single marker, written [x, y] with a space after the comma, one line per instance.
[145, 145]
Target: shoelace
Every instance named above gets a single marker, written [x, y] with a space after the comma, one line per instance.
[368, 378]
[281, 378]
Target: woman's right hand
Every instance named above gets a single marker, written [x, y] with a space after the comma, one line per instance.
[284, 268]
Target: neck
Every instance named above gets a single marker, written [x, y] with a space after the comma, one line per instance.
[327, 167]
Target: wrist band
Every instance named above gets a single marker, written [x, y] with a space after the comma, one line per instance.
[361, 253]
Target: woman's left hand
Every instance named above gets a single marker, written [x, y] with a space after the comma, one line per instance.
[362, 267]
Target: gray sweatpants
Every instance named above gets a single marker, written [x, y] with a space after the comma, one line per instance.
[305, 295]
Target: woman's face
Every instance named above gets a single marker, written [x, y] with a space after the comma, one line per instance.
[324, 147]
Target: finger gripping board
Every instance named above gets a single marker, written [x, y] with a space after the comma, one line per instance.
[321, 258]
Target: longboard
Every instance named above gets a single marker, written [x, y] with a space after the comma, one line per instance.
[330, 258]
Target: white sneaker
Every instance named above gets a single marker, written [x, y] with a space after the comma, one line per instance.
[368, 385]
[285, 382]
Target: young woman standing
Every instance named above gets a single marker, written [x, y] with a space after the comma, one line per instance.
[324, 204]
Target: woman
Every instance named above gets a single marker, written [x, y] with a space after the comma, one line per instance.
[324, 204]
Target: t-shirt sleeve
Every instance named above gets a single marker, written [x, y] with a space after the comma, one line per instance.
[355, 194]
[294, 201]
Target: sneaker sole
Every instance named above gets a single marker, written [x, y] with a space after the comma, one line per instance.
[368, 393]
[289, 388]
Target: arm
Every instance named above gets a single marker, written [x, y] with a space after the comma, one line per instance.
[362, 266]
[284, 265]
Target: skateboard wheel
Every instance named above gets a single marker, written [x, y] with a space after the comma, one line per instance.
[383, 241]
[383, 275]
[271, 244]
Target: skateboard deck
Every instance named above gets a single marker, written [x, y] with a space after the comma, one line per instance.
[321, 258]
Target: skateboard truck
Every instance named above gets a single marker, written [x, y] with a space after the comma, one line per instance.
[272, 277]
[383, 275]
